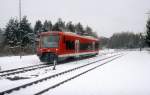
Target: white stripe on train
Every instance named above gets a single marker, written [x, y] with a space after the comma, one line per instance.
[77, 54]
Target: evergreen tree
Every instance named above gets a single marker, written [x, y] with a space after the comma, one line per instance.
[103, 42]
[70, 27]
[79, 29]
[148, 32]
[25, 30]
[47, 26]
[17, 33]
[59, 25]
[2, 37]
[38, 27]
[50, 26]
[56, 27]
[88, 31]
[12, 32]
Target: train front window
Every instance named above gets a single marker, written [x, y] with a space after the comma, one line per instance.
[50, 41]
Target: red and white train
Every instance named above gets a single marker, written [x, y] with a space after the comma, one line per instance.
[54, 45]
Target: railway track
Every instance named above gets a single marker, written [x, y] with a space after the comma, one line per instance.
[11, 70]
[64, 73]
[72, 77]
[22, 70]
[15, 71]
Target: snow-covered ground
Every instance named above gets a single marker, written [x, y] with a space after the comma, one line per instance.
[12, 62]
[128, 75]
[7, 84]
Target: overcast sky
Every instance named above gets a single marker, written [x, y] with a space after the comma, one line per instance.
[104, 16]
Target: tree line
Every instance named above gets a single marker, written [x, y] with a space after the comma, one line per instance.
[61, 25]
[126, 40]
[20, 36]
[123, 40]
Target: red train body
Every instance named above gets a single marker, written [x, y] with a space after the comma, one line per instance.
[56, 45]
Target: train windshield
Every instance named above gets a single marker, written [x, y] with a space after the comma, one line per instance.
[50, 41]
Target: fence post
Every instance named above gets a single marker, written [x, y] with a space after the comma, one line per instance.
[54, 65]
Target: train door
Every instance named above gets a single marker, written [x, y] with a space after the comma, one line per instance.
[77, 48]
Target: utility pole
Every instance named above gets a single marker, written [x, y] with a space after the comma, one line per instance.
[20, 10]
[141, 41]
[20, 25]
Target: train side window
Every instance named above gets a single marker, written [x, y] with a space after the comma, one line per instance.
[86, 46]
[70, 45]
[96, 45]
[73, 45]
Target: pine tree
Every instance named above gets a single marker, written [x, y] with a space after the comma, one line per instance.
[50, 26]
[25, 30]
[45, 26]
[17, 32]
[79, 29]
[70, 27]
[38, 27]
[59, 25]
[148, 32]
[12, 32]
[88, 31]
[56, 27]
[2, 37]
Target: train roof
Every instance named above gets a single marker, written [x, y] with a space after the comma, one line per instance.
[68, 33]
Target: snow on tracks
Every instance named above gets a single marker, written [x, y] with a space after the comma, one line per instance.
[70, 76]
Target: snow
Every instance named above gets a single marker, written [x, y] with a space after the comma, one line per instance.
[5, 84]
[12, 62]
[128, 75]
[43, 85]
